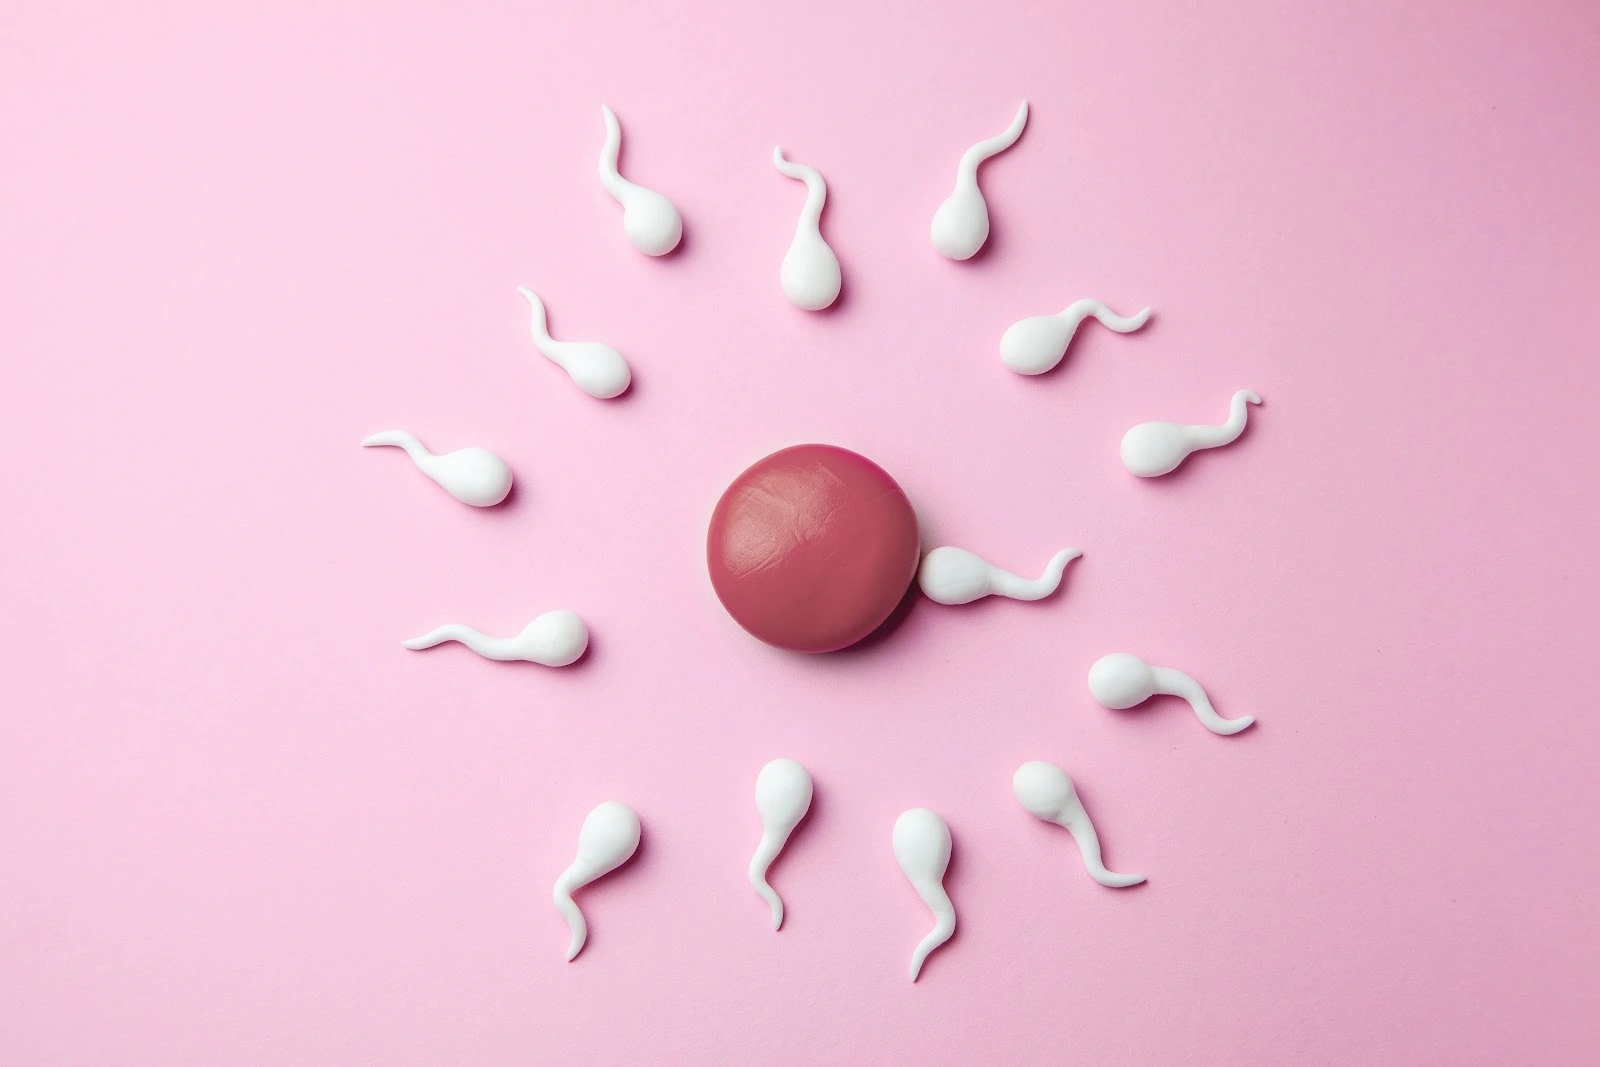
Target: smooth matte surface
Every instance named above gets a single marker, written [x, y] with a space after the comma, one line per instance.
[241, 825]
[811, 548]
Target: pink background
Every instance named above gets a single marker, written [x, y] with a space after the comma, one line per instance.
[240, 825]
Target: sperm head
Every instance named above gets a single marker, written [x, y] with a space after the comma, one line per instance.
[961, 225]
[809, 274]
[557, 637]
[651, 223]
[1034, 345]
[783, 793]
[921, 844]
[1121, 680]
[607, 839]
[1043, 790]
[1152, 449]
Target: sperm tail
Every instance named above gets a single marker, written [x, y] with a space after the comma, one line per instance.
[1239, 413]
[944, 925]
[399, 439]
[538, 327]
[1008, 584]
[484, 645]
[967, 170]
[1084, 309]
[816, 188]
[1089, 845]
[1227, 432]
[451, 632]
[1179, 684]
[610, 178]
[766, 852]
[562, 895]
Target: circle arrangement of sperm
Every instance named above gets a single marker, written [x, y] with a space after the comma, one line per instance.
[812, 548]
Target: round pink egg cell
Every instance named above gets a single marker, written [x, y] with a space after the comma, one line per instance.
[812, 548]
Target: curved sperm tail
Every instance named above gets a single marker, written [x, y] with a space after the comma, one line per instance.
[1007, 584]
[562, 895]
[541, 331]
[944, 925]
[1102, 314]
[399, 439]
[1177, 683]
[816, 188]
[766, 852]
[484, 645]
[538, 327]
[610, 178]
[1228, 432]
[967, 169]
[1082, 831]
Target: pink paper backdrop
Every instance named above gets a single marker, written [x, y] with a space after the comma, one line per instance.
[242, 826]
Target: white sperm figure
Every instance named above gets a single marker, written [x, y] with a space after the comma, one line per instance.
[473, 476]
[950, 575]
[652, 224]
[1045, 792]
[1152, 449]
[922, 848]
[554, 639]
[1121, 680]
[608, 839]
[810, 273]
[1034, 345]
[597, 369]
[783, 796]
[961, 225]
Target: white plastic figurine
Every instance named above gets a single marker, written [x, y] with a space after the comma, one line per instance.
[597, 369]
[1152, 449]
[961, 225]
[473, 476]
[783, 796]
[652, 224]
[950, 575]
[1034, 345]
[1045, 792]
[922, 848]
[1121, 680]
[554, 639]
[810, 273]
[608, 839]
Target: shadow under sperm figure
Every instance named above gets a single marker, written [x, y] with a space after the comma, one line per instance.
[810, 274]
[473, 476]
[1045, 792]
[1152, 449]
[950, 575]
[922, 848]
[554, 639]
[1121, 680]
[596, 368]
[650, 221]
[1035, 345]
[783, 797]
[608, 839]
[961, 225]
